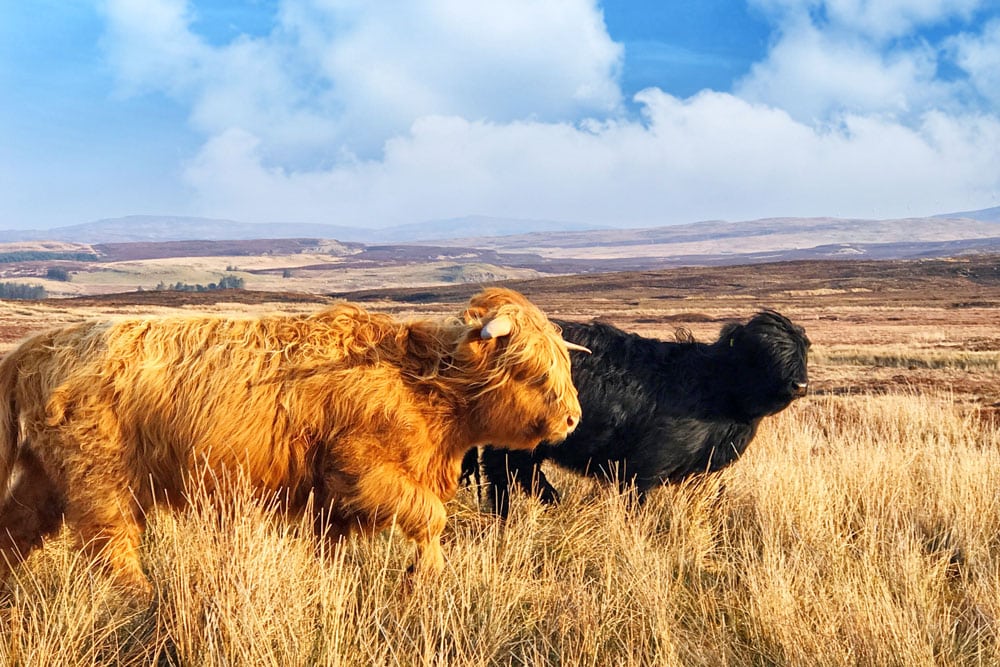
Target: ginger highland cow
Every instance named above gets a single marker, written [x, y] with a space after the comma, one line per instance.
[355, 416]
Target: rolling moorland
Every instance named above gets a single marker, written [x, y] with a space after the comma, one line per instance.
[861, 527]
[139, 252]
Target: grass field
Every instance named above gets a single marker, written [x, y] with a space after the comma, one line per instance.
[857, 530]
[862, 527]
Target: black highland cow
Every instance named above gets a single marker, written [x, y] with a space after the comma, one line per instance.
[656, 412]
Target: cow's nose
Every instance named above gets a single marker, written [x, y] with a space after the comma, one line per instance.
[800, 389]
[572, 421]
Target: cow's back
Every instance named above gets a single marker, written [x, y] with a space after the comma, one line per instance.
[629, 388]
[213, 393]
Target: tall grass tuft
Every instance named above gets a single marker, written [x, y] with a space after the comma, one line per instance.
[857, 530]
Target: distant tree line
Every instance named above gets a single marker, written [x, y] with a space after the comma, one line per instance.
[57, 273]
[20, 291]
[226, 282]
[42, 256]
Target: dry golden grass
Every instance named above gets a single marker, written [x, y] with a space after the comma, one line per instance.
[905, 356]
[857, 530]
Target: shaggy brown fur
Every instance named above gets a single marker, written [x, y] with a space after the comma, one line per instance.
[359, 416]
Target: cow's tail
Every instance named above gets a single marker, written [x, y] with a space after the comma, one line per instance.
[9, 421]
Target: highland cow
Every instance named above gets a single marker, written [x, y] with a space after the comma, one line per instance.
[354, 416]
[657, 412]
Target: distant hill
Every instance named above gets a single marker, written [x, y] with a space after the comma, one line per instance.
[537, 245]
[151, 228]
[479, 225]
[738, 238]
[517, 233]
[983, 215]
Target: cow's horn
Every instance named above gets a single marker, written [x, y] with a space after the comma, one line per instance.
[496, 328]
[578, 348]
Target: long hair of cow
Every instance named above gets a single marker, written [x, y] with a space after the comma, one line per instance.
[24, 384]
[9, 426]
[176, 365]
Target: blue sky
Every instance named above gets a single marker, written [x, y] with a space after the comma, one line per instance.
[620, 113]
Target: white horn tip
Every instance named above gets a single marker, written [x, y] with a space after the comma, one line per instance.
[496, 328]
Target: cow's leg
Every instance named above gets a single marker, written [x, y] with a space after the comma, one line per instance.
[32, 511]
[631, 481]
[470, 467]
[108, 527]
[504, 467]
[102, 510]
[384, 495]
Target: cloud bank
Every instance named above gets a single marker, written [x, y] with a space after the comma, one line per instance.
[375, 114]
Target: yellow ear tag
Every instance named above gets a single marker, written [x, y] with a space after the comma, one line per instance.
[731, 342]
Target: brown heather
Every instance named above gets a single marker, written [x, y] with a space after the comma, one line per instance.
[857, 530]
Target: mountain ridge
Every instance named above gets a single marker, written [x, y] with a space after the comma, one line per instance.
[144, 228]
[456, 231]
[561, 249]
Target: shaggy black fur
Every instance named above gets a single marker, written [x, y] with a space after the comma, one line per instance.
[655, 411]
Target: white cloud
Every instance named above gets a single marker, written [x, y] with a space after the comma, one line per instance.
[150, 47]
[979, 56]
[874, 19]
[711, 156]
[835, 57]
[362, 113]
[339, 75]
[815, 76]
[885, 19]
[499, 61]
